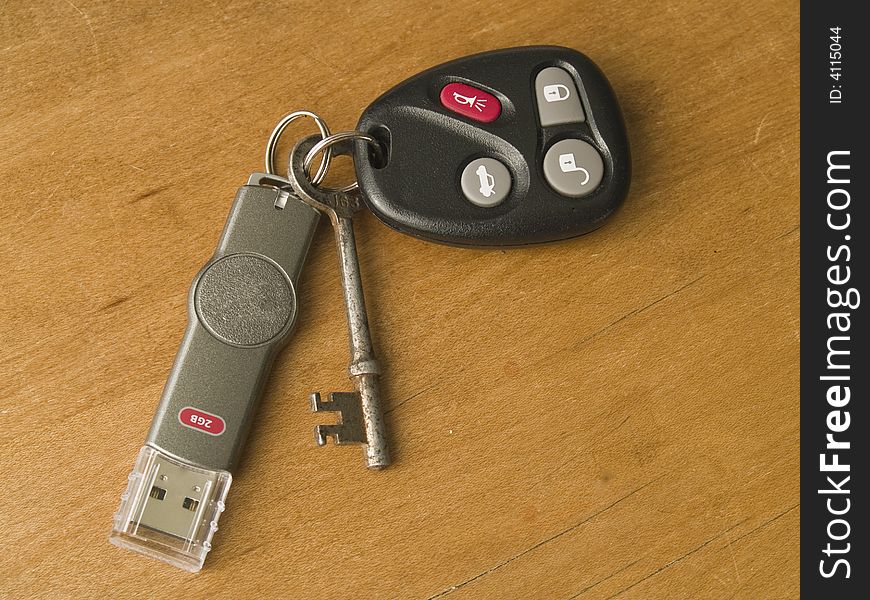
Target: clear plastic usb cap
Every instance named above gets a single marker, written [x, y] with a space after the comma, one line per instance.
[170, 509]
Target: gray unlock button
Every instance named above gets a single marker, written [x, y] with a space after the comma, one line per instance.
[558, 100]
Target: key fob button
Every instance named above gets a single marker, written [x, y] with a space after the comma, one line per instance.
[485, 182]
[558, 99]
[573, 168]
[470, 102]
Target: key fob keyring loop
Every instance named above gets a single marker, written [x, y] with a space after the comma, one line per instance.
[326, 143]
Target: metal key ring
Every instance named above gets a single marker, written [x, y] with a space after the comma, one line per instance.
[276, 135]
[327, 142]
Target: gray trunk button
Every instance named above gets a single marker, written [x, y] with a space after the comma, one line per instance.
[558, 100]
[573, 168]
[485, 182]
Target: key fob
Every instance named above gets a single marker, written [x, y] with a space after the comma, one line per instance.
[509, 147]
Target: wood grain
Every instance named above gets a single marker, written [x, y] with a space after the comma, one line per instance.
[611, 417]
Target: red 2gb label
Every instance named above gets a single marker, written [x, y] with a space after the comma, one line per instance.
[201, 420]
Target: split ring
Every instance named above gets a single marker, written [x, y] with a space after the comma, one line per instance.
[272, 144]
[327, 142]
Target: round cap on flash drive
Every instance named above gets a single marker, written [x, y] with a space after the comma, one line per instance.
[245, 299]
[485, 182]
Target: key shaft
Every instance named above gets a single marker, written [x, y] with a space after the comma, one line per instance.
[363, 368]
[359, 337]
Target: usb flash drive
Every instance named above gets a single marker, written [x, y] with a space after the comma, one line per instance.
[241, 309]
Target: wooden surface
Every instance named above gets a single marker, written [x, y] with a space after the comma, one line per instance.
[611, 417]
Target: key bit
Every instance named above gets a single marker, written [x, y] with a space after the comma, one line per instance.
[350, 428]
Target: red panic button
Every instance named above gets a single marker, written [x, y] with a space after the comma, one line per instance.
[470, 102]
[201, 420]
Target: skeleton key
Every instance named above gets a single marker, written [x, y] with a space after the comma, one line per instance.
[360, 416]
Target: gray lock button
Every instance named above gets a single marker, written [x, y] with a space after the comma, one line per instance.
[485, 182]
[573, 168]
[558, 99]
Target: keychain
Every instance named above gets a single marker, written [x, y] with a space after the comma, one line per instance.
[505, 148]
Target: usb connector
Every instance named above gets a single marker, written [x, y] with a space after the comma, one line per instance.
[170, 509]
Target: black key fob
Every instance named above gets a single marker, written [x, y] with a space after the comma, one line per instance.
[510, 147]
